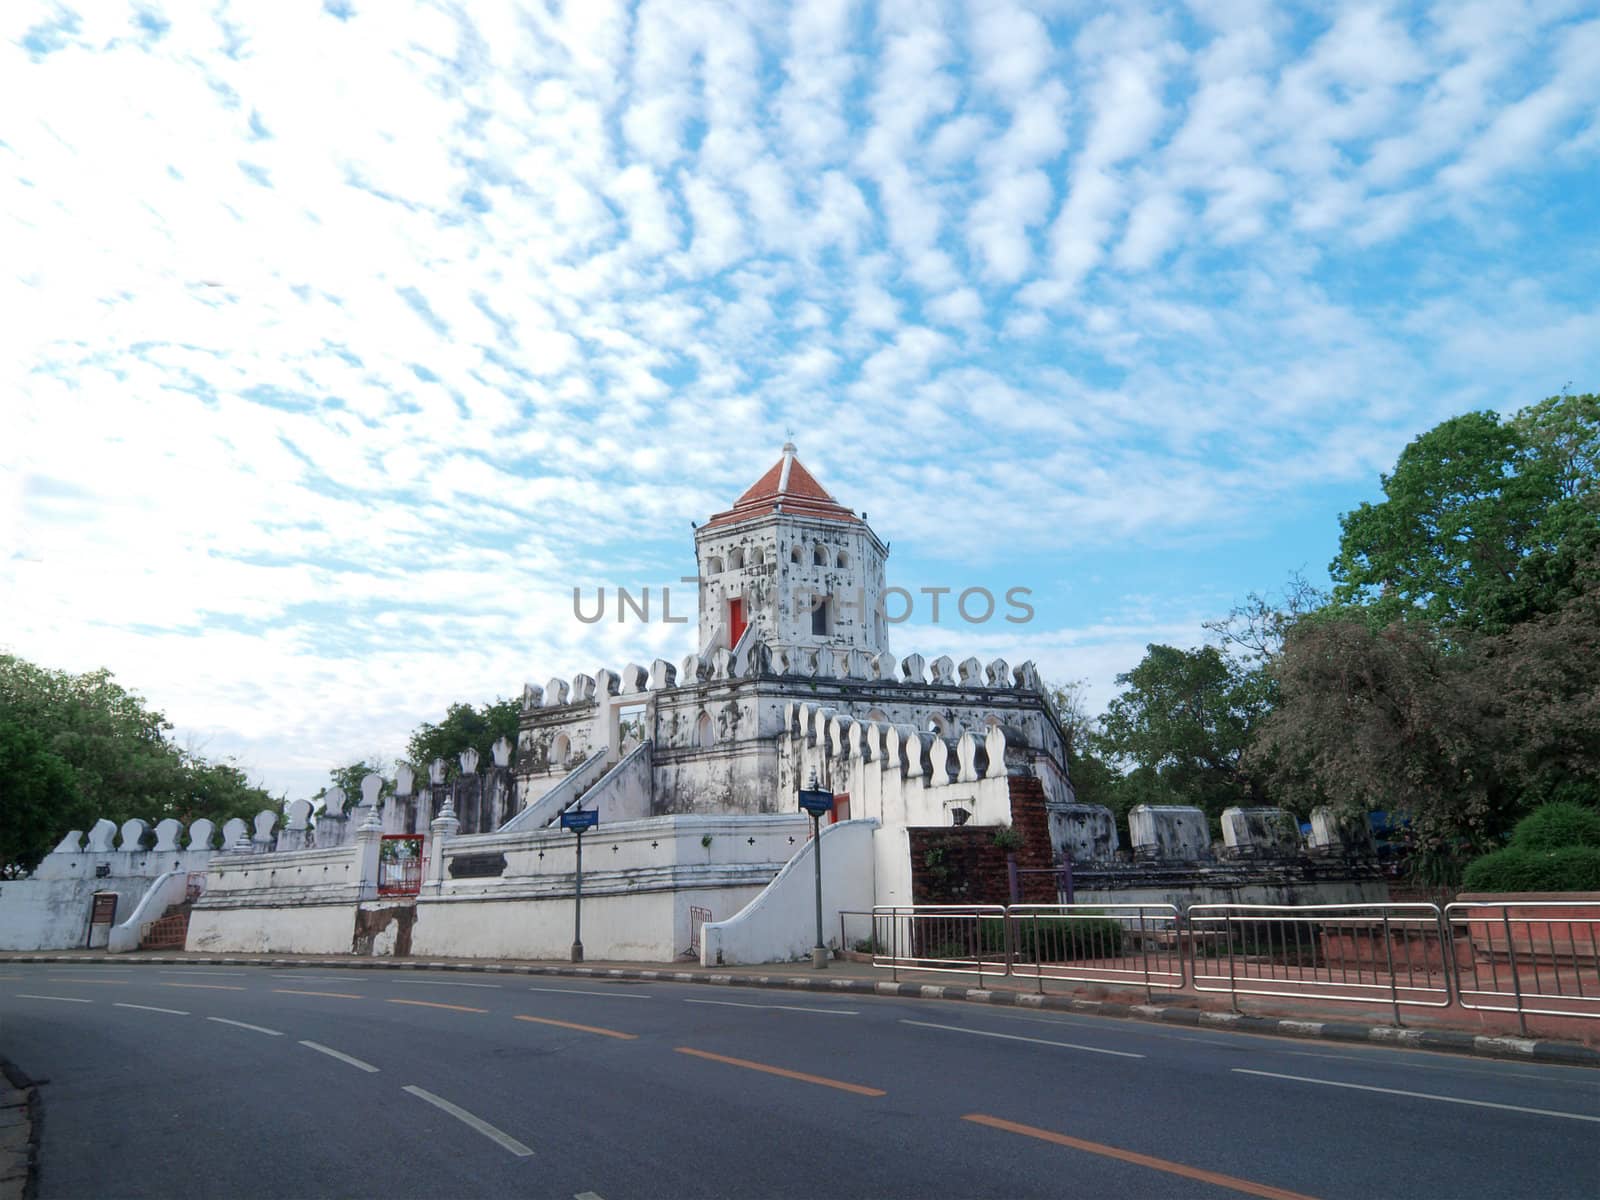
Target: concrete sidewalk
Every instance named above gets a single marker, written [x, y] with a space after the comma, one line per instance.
[1454, 1030]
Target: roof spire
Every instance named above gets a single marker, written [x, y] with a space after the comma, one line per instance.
[788, 462]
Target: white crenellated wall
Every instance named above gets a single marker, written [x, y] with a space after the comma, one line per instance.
[50, 909]
[898, 777]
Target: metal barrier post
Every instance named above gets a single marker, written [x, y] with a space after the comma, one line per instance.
[1516, 983]
[1144, 957]
[1233, 982]
[1010, 932]
[1388, 954]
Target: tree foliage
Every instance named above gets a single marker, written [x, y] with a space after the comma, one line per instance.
[1181, 726]
[464, 726]
[1484, 522]
[75, 748]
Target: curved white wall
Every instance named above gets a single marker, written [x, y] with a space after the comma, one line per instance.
[780, 925]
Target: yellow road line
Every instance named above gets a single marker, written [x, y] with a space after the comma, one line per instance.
[857, 1088]
[335, 995]
[210, 987]
[431, 1004]
[1232, 1182]
[580, 1028]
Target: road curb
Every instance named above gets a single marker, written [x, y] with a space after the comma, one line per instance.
[1447, 1041]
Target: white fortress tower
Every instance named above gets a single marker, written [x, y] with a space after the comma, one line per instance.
[793, 566]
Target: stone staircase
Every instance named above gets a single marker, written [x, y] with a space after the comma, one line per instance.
[169, 931]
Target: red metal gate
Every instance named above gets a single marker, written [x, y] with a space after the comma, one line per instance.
[400, 864]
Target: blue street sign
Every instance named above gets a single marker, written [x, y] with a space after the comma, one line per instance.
[816, 802]
[580, 820]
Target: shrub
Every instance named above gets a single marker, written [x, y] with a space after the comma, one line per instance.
[1557, 826]
[1055, 939]
[1516, 869]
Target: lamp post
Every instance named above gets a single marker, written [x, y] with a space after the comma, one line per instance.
[816, 801]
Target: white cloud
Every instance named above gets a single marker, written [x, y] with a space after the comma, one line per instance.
[332, 361]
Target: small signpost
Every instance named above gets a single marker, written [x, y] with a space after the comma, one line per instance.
[578, 820]
[817, 801]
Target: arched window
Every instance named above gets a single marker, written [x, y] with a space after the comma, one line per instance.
[704, 735]
[842, 561]
[714, 565]
[735, 559]
[878, 717]
[560, 750]
[938, 725]
[819, 555]
[757, 557]
[794, 553]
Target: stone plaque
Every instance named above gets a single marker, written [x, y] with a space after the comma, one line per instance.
[477, 866]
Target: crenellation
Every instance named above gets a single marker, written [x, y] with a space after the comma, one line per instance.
[234, 831]
[635, 680]
[167, 832]
[914, 669]
[663, 675]
[556, 692]
[999, 673]
[583, 689]
[606, 683]
[532, 697]
[133, 834]
[201, 833]
[944, 671]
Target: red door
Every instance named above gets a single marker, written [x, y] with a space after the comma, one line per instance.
[736, 621]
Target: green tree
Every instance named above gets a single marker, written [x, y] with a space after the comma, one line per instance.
[1094, 779]
[1181, 725]
[37, 800]
[83, 747]
[1484, 522]
[348, 778]
[464, 726]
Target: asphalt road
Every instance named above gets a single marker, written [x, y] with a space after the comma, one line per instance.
[251, 1081]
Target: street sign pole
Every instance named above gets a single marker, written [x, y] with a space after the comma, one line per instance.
[578, 820]
[577, 906]
[817, 801]
[819, 952]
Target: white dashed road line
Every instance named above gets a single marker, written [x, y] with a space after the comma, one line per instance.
[1012, 1037]
[840, 1012]
[177, 1012]
[489, 1131]
[246, 1025]
[1364, 1087]
[576, 992]
[64, 999]
[342, 1057]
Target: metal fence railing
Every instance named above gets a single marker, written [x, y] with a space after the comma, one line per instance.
[1526, 957]
[1529, 957]
[958, 939]
[1130, 944]
[1366, 953]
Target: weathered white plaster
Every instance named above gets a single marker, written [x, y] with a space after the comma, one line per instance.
[779, 925]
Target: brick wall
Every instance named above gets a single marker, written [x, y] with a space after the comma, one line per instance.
[951, 865]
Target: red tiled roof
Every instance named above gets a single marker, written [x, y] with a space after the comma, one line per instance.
[794, 491]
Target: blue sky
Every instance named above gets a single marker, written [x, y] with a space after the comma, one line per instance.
[342, 341]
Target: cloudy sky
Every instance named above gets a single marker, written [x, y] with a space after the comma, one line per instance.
[339, 342]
